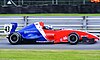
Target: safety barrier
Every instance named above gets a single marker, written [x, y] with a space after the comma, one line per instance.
[85, 23]
[52, 8]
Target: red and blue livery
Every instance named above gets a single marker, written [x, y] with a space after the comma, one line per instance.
[37, 32]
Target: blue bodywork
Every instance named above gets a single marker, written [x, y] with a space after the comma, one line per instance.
[29, 32]
[14, 26]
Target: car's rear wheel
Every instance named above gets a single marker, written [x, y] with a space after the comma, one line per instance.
[15, 38]
[73, 38]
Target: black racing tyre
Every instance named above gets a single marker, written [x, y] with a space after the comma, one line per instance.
[73, 38]
[15, 38]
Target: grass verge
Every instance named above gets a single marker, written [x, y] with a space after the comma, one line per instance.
[49, 54]
[51, 14]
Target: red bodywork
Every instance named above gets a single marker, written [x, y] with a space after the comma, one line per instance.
[62, 35]
[59, 35]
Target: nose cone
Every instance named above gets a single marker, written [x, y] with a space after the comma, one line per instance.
[96, 38]
[90, 35]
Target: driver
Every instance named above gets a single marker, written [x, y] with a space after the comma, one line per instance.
[48, 27]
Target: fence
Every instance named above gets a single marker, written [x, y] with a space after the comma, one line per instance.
[85, 23]
[48, 6]
[42, 2]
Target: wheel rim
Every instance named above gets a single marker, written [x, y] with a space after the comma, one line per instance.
[14, 38]
[73, 38]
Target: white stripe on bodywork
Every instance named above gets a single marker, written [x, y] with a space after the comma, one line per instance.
[39, 27]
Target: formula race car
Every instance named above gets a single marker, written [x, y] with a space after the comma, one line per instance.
[37, 32]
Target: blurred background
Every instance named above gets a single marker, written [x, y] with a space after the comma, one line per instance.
[49, 6]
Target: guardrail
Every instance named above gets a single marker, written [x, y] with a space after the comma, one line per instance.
[85, 23]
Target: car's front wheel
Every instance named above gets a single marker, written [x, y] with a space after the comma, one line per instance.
[15, 38]
[73, 38]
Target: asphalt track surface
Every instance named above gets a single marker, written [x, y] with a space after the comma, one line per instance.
[4, 44]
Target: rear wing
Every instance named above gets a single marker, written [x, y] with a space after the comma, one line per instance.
[10, 28]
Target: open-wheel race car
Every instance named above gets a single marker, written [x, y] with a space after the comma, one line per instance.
[37, 32]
